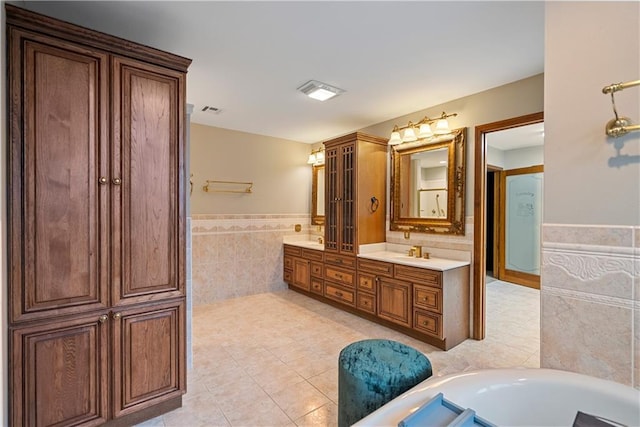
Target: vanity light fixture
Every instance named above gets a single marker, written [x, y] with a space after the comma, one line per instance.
[316, 157]
[320, 91]
[423, 128]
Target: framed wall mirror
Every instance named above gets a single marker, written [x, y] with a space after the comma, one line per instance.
[317, 195]
[427, 185]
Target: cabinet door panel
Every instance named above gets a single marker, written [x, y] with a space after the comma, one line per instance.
[331, 200]
[394, 301]
[148, 204]
[149, 358]
[301, 273]
[60, 373]
[347, 200]
[58, 210]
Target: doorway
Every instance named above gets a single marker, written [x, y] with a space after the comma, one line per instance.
[480, 217]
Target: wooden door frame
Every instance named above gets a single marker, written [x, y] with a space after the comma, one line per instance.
[497, 177]
[479, 216]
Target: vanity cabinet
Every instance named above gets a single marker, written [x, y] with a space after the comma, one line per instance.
[303, 268]
[432, 305]
[96, 225]
[355, 192]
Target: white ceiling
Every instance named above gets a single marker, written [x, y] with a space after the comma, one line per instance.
[392, 58]
[519, 137]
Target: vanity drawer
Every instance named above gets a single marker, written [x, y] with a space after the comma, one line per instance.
[287, 276]
[428, 298]
[313, 255]
[339, 294]
[366, 282]
[376, 267]
[316, 286]
[366, 302]
[341, 260]
[343, 277]
[292, 250]
[418, 275]
[316, 269]
[428, 323]
[288, 263]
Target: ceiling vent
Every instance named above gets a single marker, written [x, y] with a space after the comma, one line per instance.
[320, 91]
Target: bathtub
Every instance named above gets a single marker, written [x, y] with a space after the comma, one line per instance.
[519, 397]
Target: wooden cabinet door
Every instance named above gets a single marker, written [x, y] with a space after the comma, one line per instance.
[347, 202]
[59, 373]
[394, 301]
[340, 197]
[148, 182]
[302, 273]
[148, 356]
[58, 212]
[331, 200]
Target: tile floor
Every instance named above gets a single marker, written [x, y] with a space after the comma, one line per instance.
[271, 359]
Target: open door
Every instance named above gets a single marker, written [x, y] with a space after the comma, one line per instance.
[520, 223]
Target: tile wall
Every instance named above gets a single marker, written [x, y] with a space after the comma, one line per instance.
[590, 301]
[238, 255]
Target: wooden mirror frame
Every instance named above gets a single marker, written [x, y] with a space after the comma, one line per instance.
[315, 218]
[456, 171]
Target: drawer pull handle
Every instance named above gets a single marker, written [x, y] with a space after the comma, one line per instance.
[339, 276]
[426, 298]
[339, 294]
[103, 318]
[117, 316]
[425, 323]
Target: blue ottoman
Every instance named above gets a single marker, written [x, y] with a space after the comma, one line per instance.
[373, 372]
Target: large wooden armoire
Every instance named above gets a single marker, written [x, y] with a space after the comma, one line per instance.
[96, 225]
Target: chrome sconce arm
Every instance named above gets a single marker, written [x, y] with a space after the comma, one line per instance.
[619, 126]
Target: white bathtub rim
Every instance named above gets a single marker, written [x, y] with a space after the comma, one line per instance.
[411, 400]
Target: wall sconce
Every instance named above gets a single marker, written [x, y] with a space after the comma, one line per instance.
[316, 157]
[423, 129]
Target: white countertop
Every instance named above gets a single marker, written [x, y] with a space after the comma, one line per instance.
[303, 241]
[387, 252]
[439, 264]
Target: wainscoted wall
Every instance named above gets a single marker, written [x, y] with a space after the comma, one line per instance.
[238, 255]
[590, 300]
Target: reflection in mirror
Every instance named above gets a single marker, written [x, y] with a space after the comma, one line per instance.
[427, 191]
[317, 195]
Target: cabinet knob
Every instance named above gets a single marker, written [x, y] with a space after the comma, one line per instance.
[339, 294]
[117, 181]
[117, 316]
[103, 318]
[102, 180]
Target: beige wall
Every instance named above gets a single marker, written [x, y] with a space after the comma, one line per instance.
[504, 102]
[590, 45]
[590, 284]
[278, 169]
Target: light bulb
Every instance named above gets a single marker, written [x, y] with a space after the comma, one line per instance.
[442, 127]
[395, 138]
[425, 131]
[312, 159]
[409, 135]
